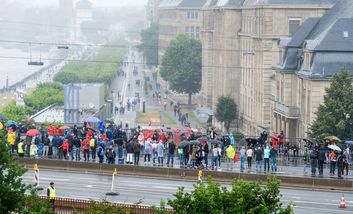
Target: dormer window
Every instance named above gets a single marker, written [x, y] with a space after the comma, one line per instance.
[345, 34]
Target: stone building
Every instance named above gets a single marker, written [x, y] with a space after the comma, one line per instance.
[320, 48]
[240, 47]
[152, 11]
[178, 17]
[263, 23]
[220, 51]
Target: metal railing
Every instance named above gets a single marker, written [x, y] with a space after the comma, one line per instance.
[78, 206]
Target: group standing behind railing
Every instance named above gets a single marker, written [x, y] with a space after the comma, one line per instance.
[113, 146]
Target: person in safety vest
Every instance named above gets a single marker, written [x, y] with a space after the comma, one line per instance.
[20, 149]
[51, 193]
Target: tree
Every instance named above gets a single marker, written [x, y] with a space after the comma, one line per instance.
[181, 65]
[13, 112]
[244, 197]
[335, 115]
[226, 111]
[44, 95]
[149, 44]
[12, 189]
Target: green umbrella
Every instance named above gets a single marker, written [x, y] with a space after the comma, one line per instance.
[183, 144]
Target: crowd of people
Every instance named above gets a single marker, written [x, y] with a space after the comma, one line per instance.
[113, 145]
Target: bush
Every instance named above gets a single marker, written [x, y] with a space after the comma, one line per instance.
[101, 68]
[105, 207]
[244, 197]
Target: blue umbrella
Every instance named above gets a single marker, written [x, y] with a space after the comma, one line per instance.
[2, 117]
[349, 142]
[11, 122]
[92, 120]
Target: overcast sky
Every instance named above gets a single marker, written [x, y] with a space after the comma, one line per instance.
[96, 3]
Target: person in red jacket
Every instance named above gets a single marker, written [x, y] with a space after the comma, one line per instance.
[58, 131]
[162, 138]
[50, 132]
[86, 147]
[65, 147]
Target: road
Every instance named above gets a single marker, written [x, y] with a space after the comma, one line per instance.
[152, 191]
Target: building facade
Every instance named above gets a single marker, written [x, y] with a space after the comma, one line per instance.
[239, 41]
[319, 49]
[152, 11]
[220, 52]
[178, 17]
[263, 23]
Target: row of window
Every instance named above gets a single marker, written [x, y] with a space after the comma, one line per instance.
[256, 24]
[192, 15]
[192, 31]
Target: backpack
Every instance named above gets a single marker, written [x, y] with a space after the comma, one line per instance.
[92, 143]
[100, 152]
[109, 153]
[180, 151]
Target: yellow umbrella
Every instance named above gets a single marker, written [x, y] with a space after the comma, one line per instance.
[332, 139]
[1, 126]
[230, 152]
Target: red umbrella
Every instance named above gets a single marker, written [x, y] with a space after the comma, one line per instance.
[64, 127]
[32, 132]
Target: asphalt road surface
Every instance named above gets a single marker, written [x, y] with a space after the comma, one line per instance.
[151, 191]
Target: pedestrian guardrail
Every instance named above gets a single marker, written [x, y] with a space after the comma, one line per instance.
[78, 206]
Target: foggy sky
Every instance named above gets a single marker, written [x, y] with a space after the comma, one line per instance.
[96, 3]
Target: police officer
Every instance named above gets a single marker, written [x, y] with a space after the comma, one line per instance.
[20, 149]
[51, 193]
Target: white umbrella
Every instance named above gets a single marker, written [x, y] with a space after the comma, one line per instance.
[334, 147]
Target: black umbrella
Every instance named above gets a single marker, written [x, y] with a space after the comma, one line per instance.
[216, 142]
[195, 142]
[184, 144]
[202, 139]
[252, 141]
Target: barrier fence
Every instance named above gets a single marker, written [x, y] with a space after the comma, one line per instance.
[78, 206]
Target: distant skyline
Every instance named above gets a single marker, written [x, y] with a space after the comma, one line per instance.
[96, 3]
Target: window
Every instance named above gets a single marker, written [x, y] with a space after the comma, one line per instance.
[186, 30]
[192, 31]
[192, 15]
[293, 25]
[197, 34]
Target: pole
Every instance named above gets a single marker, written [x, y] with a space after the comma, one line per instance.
[112, 193]
[36, 177]
[112, 188]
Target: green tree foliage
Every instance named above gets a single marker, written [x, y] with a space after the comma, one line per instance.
[13, 112]
[181, 65]
[36, 206]
[44, 95]
[101, 69]
[105, 207]
[226, 111]
[335, 115]
[243, 198]
[12, 189]
[67, 77]
[149, 44]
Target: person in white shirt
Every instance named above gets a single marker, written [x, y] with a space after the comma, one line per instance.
[249, 155]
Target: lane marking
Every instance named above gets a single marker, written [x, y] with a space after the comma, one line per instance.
[324, 209]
